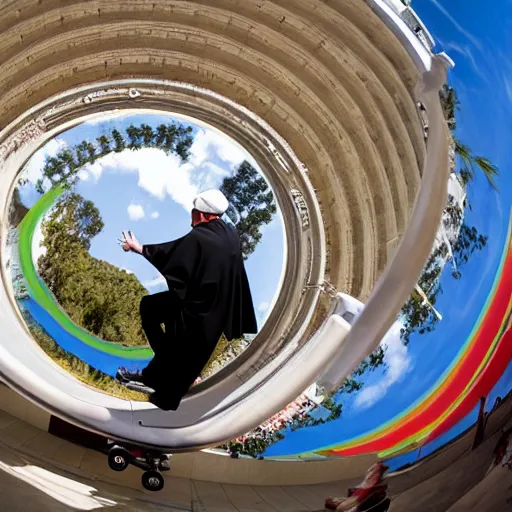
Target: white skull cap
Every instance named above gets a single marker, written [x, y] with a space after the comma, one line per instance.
[211, 201]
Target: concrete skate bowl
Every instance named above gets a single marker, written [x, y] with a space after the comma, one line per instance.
[324, 96]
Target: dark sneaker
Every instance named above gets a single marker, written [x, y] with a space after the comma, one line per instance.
[162, 403]
[125, 375]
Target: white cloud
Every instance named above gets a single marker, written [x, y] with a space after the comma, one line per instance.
[157, 282]
[94, 170]
[457, 25]
[34, 168]
[159, 174]
[263, 306]
[215, 169]
[155, 215]
[135, 212]
[164, 175]
[210, 143]
[262, 312]
[83, 175]
[398, 363]
[466, 51]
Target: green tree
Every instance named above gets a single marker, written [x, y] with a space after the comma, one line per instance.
[104, 144]
[119, 142]
[147, 135]
[250, 195]
[135, 136]
[333, 406]
[78, 218]
[82, 154]
[95, 294]
[419, 316]
[91, 152]
[64, 167]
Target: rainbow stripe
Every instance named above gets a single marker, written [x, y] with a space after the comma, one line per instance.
[472, 374]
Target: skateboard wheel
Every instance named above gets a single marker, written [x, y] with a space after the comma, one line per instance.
[117, 460]
[152, 481]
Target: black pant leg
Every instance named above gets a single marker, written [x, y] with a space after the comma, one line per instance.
[156, 310]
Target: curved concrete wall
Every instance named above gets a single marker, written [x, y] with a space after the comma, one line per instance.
[331, 78]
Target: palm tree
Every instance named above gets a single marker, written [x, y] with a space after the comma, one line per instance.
[147, 132]
[68, 158]
[134, 134]
[161, 131]
[169, 138]
[469, 161]
[81, 152]
[91, 152]
[450, 105]
[118, 140]
[104, 143]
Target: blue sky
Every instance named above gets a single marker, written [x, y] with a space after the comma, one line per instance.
[479, 38]
[150, 194]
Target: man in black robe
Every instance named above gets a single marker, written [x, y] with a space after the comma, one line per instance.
[208, 295]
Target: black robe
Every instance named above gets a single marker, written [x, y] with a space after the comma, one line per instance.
[210, 295]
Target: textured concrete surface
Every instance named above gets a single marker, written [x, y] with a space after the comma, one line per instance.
[341, 94]
[30, 484]
[45, 473]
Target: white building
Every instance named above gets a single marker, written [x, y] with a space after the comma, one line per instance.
[412, 20]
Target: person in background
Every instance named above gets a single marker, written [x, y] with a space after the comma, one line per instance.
[370, 494]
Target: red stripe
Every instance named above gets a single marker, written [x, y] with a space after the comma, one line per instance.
[483, 386]
[489, 328]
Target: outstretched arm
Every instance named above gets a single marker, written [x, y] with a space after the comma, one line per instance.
[159, 255]
[176, 261]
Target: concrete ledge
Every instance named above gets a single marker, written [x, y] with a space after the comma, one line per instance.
[22, 409]
[33, 434]
[412, 489]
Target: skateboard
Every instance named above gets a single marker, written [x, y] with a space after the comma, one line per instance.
[153, 462]
[137, 386]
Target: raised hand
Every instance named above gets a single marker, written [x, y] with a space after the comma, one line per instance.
[130, 243]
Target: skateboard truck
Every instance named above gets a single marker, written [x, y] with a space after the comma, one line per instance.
[120, 456]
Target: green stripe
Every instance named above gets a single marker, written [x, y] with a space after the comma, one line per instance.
[43, 296]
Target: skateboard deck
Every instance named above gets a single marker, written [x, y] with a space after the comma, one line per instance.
[133, 384]
[137, 386]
